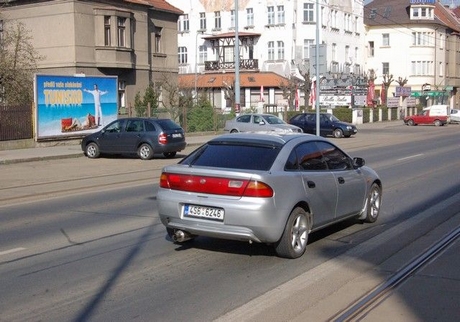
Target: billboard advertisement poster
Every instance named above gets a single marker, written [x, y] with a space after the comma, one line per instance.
[74, 105]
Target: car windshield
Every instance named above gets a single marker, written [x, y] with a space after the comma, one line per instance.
[271, 119]
[233, 156]
[333, 118]
[168, 124]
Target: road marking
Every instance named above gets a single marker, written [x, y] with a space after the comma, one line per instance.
[14, 250]
[411, 157]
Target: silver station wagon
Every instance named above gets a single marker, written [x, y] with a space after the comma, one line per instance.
[266, 188]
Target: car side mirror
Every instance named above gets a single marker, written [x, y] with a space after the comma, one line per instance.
[261, 123]
[358, 162]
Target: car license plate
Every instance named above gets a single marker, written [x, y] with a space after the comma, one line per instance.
[177, 135]
[204, 212]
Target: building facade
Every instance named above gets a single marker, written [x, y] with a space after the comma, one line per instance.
[276, 38]
[416, 40]
[135, 40]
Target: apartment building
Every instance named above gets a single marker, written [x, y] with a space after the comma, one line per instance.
[135, 40]
[417, 40]
[277, 42]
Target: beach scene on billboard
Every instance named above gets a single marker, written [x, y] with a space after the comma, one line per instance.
[74, 105]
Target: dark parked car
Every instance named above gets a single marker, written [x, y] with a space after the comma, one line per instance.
[329, 125]
[142, 136]
[266, 188]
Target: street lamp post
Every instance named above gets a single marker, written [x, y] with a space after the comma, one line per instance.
[237, 62]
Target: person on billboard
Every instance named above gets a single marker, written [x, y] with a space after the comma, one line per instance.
[97, 103]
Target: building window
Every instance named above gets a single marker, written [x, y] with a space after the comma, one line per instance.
[185, 23]
[158, 40]
[121, 32]
[249, 17]
[422, 38]
[202, 20]
[229, 54]
[107, 33]
[280, 15]
[203, 54]
[371, 49]
[308, 15]
[232, 18]
[270, 15]
[307, 43]
[422, 68]
[334, 52]
[347, 54]
[280, 50]
[271, 50]
[183, 55]
[385, 40]
[385, 68]
[217, 23]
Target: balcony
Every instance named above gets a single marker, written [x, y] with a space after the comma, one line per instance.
[245, 64]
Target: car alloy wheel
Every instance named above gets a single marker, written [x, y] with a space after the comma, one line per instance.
[145, 152]
[92, 150]
[293, 242]
[374, 199]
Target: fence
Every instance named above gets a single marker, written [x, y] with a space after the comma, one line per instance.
[16, 123]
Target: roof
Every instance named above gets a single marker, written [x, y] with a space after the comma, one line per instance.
[397, 12]
[160, 5]
[219, 80]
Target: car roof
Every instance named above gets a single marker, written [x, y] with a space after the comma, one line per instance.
[266, 138]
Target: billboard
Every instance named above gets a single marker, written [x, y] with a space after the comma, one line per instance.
[69, 106]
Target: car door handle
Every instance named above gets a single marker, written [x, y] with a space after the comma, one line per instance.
[341, 180]
[311, 184]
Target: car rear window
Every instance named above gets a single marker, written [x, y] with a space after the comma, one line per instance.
[233, 156]
[168, 125]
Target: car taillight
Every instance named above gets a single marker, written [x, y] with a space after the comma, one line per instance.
[215, 185]
[162, 138]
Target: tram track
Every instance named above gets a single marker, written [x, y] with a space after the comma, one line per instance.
[370, 301]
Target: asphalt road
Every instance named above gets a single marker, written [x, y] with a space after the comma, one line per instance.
[80, 240]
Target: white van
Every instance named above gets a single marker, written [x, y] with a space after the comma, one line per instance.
[438, 110]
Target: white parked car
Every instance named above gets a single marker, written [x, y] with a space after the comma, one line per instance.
[455, 115]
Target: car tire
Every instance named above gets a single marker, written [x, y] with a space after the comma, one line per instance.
[437, 123]
[411, 123]
[293, 242]
[92, 150]
[170, 155]
[145, 151]
[373, 203]
[338, 133]
[234, 131]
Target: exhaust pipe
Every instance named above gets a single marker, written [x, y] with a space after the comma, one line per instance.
[181, 236]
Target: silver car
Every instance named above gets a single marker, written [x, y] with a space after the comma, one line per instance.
[266, 188]
[259, 123]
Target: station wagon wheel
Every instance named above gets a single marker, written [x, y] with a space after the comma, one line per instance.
[92, 150]
[373, 203]
[294, 240]
[234, 131]
[170, 154]
[145, 151]
[338, 133]
[411, 122]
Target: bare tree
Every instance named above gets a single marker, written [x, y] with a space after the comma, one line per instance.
[401, 81]
[387, 80]
[18, 63]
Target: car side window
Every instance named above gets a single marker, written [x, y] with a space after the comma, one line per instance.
[150, 127]
[135, 126]
[115, 127]
[335, 159]
[244, 119]
[307, 157]
[257, 119]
